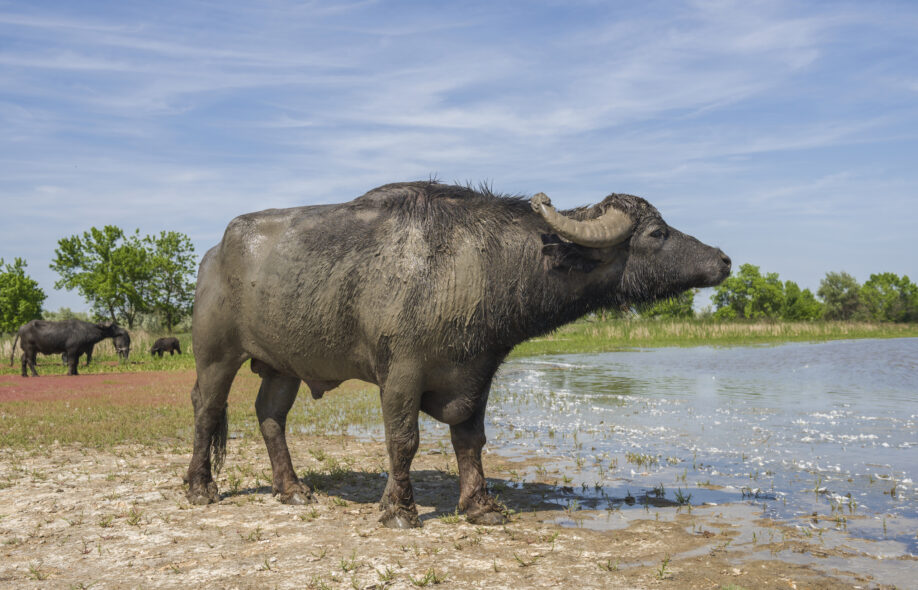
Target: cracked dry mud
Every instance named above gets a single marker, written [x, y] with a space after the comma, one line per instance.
[75, 517]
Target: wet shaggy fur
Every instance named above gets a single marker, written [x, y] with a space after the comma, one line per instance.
[421, 288]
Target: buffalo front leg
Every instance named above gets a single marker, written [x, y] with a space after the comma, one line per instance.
[210, 430]
[401, 400]
[73, 360]
[468, 439]
[275, 398]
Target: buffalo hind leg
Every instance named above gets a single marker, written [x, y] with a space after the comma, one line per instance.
[275, 398]
[468, 439]
[401, 401]
[210, 429]
[28, 362]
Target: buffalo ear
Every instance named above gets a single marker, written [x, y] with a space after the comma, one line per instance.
[566, 256]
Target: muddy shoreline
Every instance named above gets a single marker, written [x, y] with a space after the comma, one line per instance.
[76, 517]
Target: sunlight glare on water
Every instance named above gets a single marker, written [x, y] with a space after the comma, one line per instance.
[830, 428]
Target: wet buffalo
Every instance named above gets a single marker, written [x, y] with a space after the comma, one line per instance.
[71, 337]
[423, 289]
[168, 344]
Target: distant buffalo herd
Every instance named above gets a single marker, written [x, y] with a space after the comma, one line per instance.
[74, 338]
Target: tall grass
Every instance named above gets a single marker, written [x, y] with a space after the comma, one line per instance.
[594, 335]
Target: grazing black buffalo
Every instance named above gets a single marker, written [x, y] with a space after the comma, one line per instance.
[122, 343]
[72, 337]
[168, 344]
[423, 289]
[121, 340]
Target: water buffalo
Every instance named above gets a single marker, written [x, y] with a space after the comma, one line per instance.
[122, 343]
[168, 344]
[423, 289]
[121, 340]
[72, 337]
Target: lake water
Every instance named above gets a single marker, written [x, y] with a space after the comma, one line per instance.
[827, 428]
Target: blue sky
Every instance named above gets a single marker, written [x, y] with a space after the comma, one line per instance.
[784, 132]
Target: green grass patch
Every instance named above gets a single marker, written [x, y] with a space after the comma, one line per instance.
[107, 363]
[163, 415]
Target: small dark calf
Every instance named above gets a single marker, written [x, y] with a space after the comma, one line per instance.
[169, 344]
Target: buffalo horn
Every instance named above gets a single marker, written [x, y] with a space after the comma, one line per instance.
[610, 228]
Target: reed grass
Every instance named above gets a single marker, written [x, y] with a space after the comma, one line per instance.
[594, 335]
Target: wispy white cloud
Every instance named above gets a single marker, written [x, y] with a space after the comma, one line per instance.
[729, 115]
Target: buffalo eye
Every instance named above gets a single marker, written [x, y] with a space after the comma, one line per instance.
[657, 233]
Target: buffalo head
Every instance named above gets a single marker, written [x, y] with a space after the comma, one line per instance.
[122, 342]
[625, 237]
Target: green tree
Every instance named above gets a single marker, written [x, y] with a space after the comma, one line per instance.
[889, 298]
[109, 269]
[65, 313]
[841, 294]
[680, 306]
[20, 296]
[800, 305]
[749, 295]
[172, 262]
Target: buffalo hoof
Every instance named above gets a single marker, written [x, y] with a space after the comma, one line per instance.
[297, 498]
[488, 517]
[400, 519]
[201, 497]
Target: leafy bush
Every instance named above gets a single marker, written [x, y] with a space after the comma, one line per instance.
[20, 296]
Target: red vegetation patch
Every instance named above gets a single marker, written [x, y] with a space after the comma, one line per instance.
[153, 388]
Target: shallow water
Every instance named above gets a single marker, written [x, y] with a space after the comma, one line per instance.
[826, 428]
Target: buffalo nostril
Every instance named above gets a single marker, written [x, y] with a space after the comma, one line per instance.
[725, 258]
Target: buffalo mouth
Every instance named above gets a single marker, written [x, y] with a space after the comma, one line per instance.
[724, 265]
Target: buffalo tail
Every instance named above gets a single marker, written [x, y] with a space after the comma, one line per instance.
[13, 352]
[218, 443]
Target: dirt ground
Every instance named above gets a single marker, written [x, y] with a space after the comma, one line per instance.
[73, 517]
[124, 387]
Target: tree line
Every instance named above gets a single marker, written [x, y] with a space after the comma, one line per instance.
[123, 277]
[749, 295]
